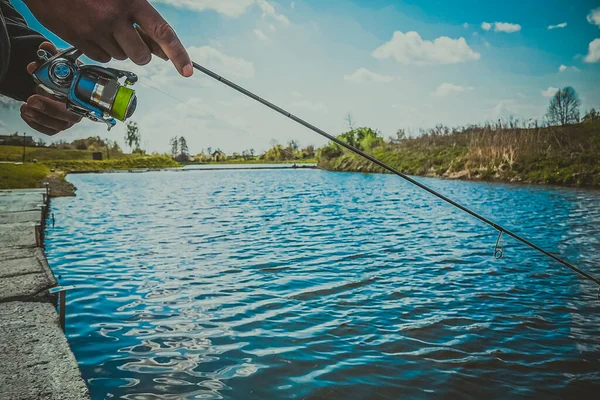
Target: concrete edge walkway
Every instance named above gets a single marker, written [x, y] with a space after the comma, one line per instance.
[36, 361]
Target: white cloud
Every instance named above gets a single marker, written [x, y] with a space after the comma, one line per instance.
[564, 68]
[363, 75]
[8, 104]
[501, 27]
[559, 26]
[446, 89]
[593, 55]
[551, 91]
[260, 35]
[269, 10]
[507, 27]
[466, 25]
[230, 8]
[594, 17]
[227, 65]
[410, 48]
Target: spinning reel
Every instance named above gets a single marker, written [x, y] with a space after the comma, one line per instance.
[90, 91]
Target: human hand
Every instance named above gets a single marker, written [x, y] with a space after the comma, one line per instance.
[43, 112]
[105, 29]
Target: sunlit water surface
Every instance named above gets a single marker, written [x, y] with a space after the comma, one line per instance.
[314, 285]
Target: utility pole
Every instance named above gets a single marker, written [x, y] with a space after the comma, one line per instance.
[24, 133]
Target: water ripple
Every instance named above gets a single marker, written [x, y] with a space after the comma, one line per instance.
[313, 285]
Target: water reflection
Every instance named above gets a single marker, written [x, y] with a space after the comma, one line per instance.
[307, 284]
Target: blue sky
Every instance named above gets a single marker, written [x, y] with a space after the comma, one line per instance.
[391, 64]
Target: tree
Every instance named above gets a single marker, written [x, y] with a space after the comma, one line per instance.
[133, 137]
[183, 147]
[293, 145]
[564, 107]
[309, 151]
[592, 117]
[400, 136]
[174, 143]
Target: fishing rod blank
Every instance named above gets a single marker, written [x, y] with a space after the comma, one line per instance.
[501, 230]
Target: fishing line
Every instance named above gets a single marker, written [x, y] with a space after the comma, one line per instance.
[501, 230]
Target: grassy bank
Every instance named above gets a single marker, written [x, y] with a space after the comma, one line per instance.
[140, 162]
[567, 155]
[53, 164]
[24, 176]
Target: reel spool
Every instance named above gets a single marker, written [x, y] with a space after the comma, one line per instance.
[90, 91]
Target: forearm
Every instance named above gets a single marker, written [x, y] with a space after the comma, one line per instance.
[19, 45]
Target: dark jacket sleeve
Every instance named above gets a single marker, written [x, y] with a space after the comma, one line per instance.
[19, 47]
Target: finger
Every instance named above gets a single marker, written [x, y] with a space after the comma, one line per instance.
[52, 107]
[32, 66]
[46, 46]
[49, 122]
[32, 123]
[161, 32]
[110, 46]
[152, 45]
[40, 128]
[49, 47]
[133, 45]
[94, 52]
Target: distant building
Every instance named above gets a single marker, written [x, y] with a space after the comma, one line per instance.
[16, 140]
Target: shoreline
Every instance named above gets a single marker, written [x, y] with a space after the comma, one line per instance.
[60, 187]
[466, 176]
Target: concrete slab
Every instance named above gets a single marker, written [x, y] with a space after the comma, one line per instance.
[26, 276]
[11, 253]
[27, 287]
[20, 217]
[37, 362]
[35, 359]
[11, 201]
[19, 266]
[17, 235]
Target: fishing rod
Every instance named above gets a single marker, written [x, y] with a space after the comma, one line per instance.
[498, 252]
[104, 95]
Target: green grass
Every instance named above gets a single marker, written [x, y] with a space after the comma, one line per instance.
[15, 153]
[559, 155]
[23, 176]
[149, 162]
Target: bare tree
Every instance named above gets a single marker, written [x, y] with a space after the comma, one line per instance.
[174, 142]
[350, 121]
[564, 107]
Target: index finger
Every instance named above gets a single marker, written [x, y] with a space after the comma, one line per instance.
[163, 34]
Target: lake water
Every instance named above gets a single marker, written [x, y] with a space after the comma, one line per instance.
[304, 284]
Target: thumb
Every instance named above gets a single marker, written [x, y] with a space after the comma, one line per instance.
[47, 46]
